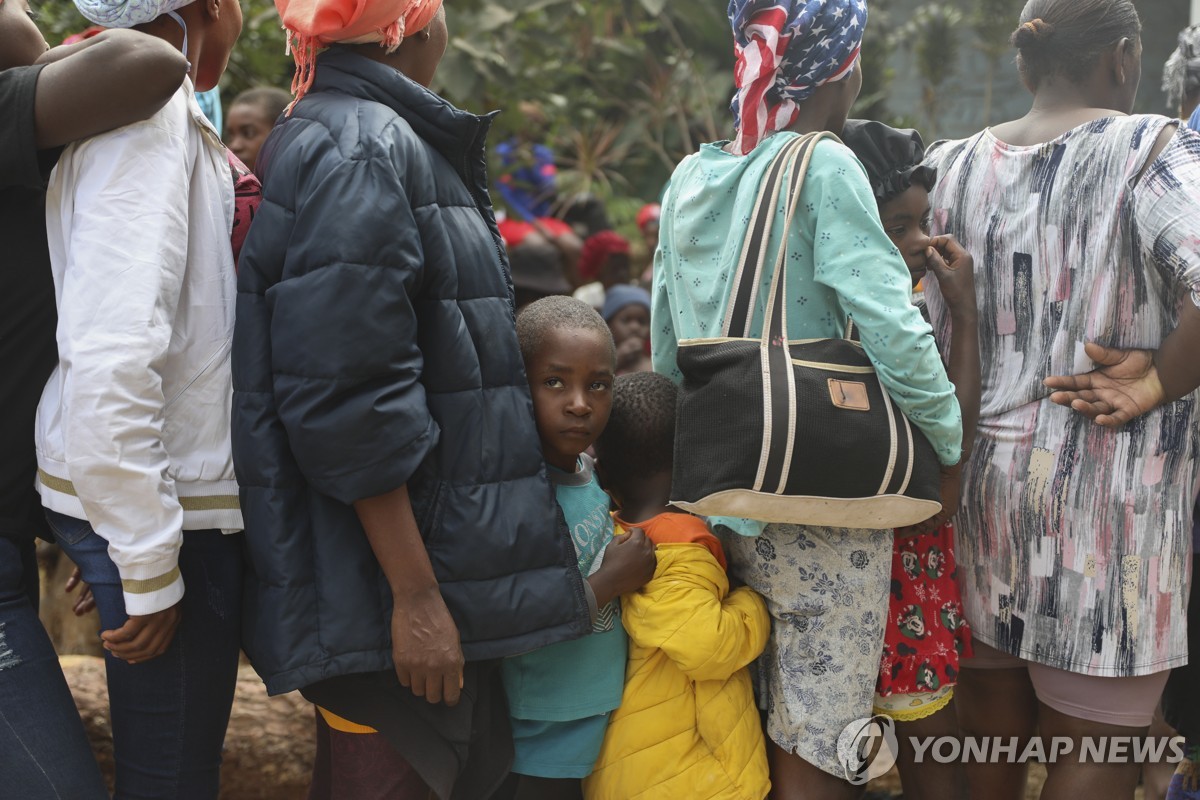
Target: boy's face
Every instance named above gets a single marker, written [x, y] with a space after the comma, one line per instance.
[631, 322]
[906, 221]
[570, 378]
[246, 128]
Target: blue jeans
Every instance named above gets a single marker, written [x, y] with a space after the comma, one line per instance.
[169, 714]
[43, 750]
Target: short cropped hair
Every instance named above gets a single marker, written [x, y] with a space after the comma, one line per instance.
[268, 99]
[558, 312]
[639, 440]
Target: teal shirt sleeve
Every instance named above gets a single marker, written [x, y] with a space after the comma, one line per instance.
[739, 525]
[664, 338]
[855, 258]
[664, 347]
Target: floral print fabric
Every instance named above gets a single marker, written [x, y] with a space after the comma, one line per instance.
[826, 591]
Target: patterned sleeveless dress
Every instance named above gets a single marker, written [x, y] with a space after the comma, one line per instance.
[1074, 540]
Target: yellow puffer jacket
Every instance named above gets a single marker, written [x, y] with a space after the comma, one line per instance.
[687, 727]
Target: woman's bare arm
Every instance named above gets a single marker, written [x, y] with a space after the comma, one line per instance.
[955, 271]
[114, 78]
[425, 644]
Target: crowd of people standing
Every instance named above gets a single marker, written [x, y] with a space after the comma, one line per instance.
[299, 393]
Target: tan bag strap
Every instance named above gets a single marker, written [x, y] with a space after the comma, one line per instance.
[748, 277]
[793, 157]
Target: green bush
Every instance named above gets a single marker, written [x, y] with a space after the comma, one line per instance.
[627, 88]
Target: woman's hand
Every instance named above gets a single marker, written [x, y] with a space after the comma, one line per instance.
[955, 271]
[1124, 385]
[951, 486]
[86, 600]
[629, 562]
[144, 637]
[426, 649]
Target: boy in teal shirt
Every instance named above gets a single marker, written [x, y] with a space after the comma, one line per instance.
[560, 696]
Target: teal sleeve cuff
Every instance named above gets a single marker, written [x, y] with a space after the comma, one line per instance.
[739, 525]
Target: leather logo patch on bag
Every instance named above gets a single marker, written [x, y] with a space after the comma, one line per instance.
[851, 395]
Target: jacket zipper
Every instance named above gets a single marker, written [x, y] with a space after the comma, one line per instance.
[482, 208]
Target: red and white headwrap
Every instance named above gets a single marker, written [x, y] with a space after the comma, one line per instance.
[785, 50]
[314, 24]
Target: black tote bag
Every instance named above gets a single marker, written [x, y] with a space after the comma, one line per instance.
[793, 431]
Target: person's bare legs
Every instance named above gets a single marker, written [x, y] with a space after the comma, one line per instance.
[999, 703]
[1156, 776]
[793, 778]
[930, 780]
[1068, 779]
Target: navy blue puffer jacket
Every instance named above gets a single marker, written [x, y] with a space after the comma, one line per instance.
[375, 347]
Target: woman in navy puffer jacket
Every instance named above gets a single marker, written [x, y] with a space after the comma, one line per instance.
[397, 511]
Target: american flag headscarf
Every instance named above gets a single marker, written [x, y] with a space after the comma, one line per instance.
[785, 50]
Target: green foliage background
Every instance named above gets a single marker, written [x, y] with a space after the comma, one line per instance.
[627, 88]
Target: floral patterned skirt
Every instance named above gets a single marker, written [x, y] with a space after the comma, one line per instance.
[826, 590]
[926, 634]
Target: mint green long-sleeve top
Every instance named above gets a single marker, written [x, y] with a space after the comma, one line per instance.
[840, 264]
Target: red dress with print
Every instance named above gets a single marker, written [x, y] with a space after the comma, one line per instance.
[926, 634]
[247, 196]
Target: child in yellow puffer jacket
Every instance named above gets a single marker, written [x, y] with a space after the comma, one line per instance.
[687, 726]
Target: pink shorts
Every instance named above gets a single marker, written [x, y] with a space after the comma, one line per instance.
[1129, 702]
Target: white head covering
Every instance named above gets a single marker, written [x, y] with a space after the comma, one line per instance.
[126, 13]
[1181, 73]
